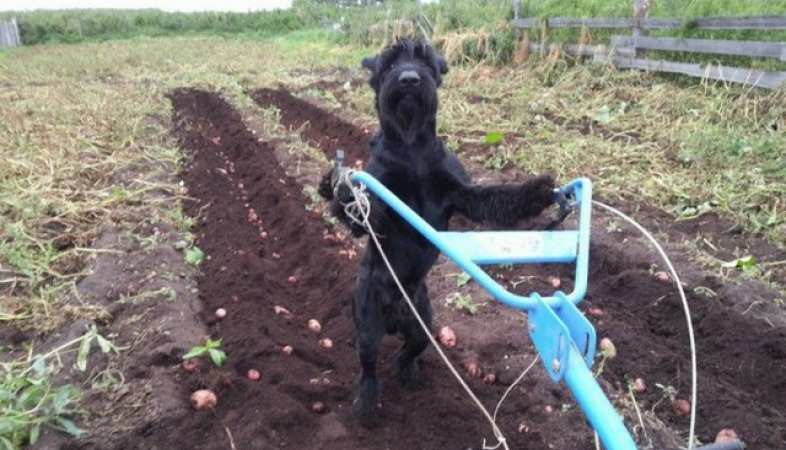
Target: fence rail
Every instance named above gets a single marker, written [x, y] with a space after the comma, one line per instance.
[627, 52]
[9, 34]
[716, 47]
[750, 77]
[654, 23]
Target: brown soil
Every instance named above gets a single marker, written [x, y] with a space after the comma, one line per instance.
[145, 300]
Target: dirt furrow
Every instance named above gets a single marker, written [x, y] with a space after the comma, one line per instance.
[323, 130]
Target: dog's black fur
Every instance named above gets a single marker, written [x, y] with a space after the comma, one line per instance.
[410, 160]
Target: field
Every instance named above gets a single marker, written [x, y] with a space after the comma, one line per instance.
[149, 182]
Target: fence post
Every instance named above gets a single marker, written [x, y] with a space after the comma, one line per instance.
[17, 40]
[641, 9]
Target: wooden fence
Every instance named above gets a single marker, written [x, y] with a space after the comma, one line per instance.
[628, 51]
[9, 34]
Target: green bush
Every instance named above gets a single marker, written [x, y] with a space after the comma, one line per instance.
[71, 26]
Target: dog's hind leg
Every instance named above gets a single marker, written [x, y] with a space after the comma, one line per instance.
[370, 326]
[415, 339]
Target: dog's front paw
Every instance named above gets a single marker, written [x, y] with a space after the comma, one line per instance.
[540, 191]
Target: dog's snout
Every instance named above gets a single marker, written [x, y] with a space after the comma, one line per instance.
[409, 78]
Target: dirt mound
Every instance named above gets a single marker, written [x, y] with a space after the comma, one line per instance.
[325, 131]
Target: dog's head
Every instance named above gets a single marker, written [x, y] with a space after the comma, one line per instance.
[405, 77]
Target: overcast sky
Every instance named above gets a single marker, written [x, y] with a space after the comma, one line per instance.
[168, 5]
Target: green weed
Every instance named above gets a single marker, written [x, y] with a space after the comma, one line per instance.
[194, 256]
[28, 399]
[210, 348]
[462, 302]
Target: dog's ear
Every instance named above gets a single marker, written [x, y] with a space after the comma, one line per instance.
[442, 64]
[369, 63]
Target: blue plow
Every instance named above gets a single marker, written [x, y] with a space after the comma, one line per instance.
[563, 337]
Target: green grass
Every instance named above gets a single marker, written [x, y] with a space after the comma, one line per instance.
[473, 30]
[662, 8]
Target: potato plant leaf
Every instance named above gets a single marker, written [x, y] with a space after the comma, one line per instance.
[494, 137]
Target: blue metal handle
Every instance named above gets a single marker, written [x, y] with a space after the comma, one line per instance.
[599, 411]
[582, 188]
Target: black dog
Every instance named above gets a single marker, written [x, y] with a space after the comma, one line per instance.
[409, 158]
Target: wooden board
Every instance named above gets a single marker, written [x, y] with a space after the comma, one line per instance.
[750, 77]
[706, 23]
[716, 47]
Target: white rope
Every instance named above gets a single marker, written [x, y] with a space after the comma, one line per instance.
[363, 208]
[676, 278]
[505, 396]
[512, 385]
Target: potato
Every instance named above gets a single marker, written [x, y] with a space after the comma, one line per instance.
[595, 312]
[314, 325]
[447, 337]
[326, 343]
[473, 368]
[191, 365]
[253, 375]
[662, 276]
[203, 399]
[681, 407]
[607, 348]
[726, 435]
[281, 311]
